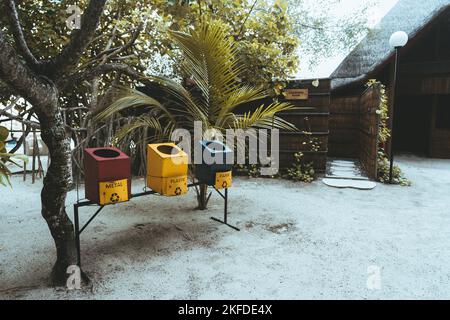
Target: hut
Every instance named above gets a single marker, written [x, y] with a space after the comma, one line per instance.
[422, 105]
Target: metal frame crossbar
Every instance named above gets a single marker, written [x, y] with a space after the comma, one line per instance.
[87, 203]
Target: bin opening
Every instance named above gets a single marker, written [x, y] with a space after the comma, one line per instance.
[168, 149]
[214, 146]
[106, 153]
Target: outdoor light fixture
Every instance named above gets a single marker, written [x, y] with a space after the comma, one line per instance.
[398, 40]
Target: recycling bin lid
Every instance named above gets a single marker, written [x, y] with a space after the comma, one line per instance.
[106, 153]
[167, 150]
[215, 146]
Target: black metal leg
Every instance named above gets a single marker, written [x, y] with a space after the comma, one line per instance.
[225, 214]
[77, 234]
[225, 211]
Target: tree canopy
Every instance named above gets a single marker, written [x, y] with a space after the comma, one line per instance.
[324, 29]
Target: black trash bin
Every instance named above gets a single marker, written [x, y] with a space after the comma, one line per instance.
[214, 169]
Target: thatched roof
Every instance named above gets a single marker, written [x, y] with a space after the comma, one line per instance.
[411, 16]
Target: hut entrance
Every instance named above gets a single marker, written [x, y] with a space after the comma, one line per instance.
[412, 123]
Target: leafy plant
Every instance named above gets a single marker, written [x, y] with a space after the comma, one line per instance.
[300, 170]
[383, 167]
[322, 32]
[211, 63]
[5, 157]
[263, 31]
[249, 170]
[384, 133]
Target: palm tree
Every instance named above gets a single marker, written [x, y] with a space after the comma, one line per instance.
[209, 59]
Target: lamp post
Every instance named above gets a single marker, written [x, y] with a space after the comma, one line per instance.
[398, 40]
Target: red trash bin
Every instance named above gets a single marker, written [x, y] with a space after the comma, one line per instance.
[107, 174]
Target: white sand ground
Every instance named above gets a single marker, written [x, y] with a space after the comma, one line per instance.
[297, 241]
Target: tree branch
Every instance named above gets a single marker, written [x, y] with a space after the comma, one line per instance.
[245, 20]
[110, 53]
[17, 32]
[20, 78]
[101, 70]
[12, 104]
[79, 41]
[129, 44]
[29, 123]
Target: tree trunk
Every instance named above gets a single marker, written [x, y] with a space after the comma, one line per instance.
[53, 195]
[202, 197]
[39, 83]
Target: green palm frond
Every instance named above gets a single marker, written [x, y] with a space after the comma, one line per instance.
[5, 173]
[210, 58]
[181, 96]
[145, 121]
[241, 95]
[265, 117]
[133, 99]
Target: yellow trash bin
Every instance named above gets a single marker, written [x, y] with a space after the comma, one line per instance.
[223, 180]
[167, 169]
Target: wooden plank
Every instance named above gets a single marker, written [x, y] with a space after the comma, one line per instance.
[313, 85]
[308, 123]
[303, 143]
[319, 159]
[425, 68]
[440, 143]
[314, 102]
[414, 85]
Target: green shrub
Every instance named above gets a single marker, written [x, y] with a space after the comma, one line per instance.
[384, 168]
[384, 133]
[300, 171]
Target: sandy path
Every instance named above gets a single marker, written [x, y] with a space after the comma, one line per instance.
[297, 241]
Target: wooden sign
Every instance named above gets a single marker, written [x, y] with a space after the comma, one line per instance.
[296, 94]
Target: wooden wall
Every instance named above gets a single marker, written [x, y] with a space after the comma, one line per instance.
[344, 127]
[440, 144]
[425, 74]
[440, 135]
[368, 130]
[354, 128]
[311, 122]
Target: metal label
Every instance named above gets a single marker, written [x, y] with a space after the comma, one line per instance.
[171, 186]
[112, 192]
[223, 180]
